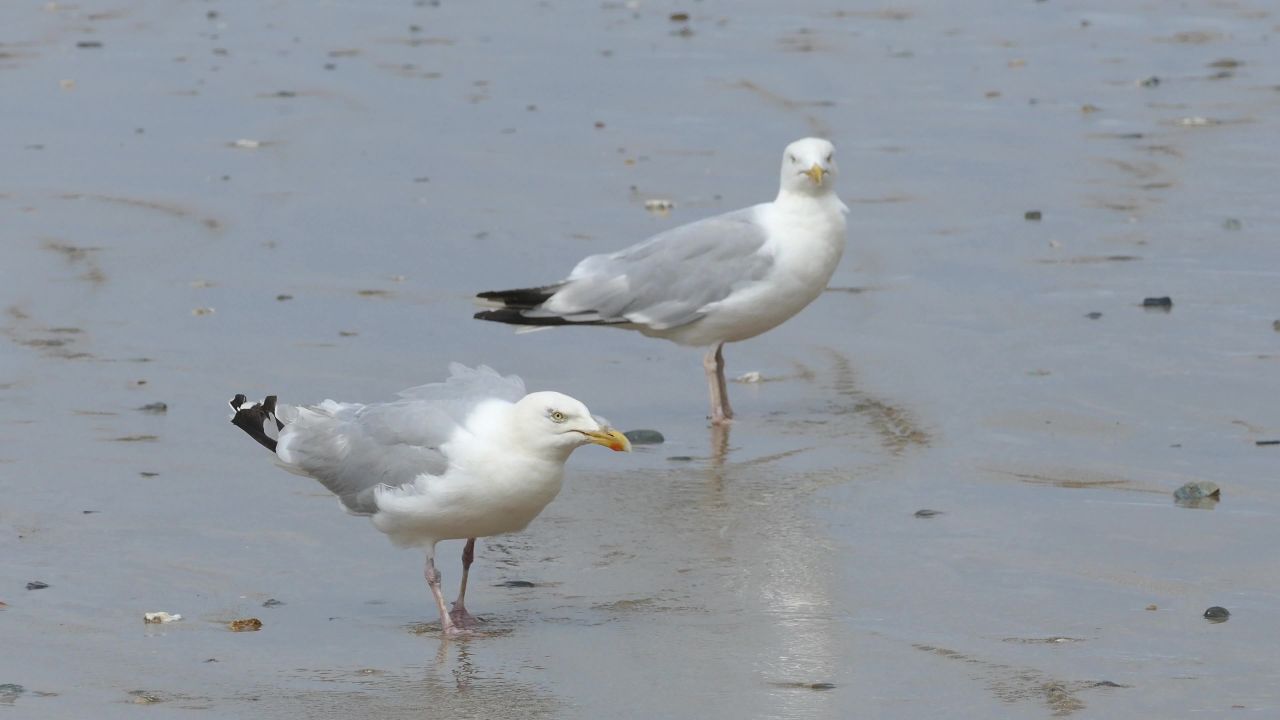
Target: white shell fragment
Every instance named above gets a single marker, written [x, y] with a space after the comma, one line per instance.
[160, 617]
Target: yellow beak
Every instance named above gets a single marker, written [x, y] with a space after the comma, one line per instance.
[609, 438]
[816, 173]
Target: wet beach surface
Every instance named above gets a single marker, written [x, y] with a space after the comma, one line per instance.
[205, 198]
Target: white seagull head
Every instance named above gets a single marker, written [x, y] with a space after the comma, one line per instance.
[809, 167]
[556, 423]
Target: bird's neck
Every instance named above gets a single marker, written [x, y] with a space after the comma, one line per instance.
[823, 199]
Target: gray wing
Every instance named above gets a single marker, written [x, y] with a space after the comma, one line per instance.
[667, 280]
[352, 448]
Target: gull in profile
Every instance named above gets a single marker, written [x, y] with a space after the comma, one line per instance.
[719, 280]
[469, 457]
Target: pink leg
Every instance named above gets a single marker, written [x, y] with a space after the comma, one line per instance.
[713, 363]
[447, 626]
[461, 618]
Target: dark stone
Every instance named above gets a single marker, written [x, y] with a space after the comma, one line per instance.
[1159, 303]
[1032, 215]
[1217, 614]
[156, 408]
[644, 437]
[681, 458]
[272, 602]
[1093, 315]
[515, 584]
[926, 513]
[37, 585]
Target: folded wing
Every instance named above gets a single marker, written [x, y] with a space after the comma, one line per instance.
[352, 448]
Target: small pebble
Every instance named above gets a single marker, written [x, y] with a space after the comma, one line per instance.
[1275, 325]
[659, 205]
[201, 311]
[1152, 607]
[1261, 443]
[515, 584]
[37, 585]
[1197, 490]
[926, 513]
[1232, 224]
[245, 625]
[283, 298]
[88, 44]
[1217, 614]
[1149, 82]
[644, 437]
[679, 17]
[142, 697]
[1032, 215]
[1165, 302]
[272, 602]
[156, 408]
[681, 458]
[1093, 315]
[749, 377]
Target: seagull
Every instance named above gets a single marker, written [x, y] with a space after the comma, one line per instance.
[719, 280]
[469, 457]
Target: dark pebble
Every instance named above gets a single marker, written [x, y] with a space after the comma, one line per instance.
[644, 437]
[144, 473]
[88, 44]
[1232, 224]
[927, 513]
[1032, 215]
[1266, 442]
[272, 602]
[1093, 315]
[1217, 614]
[1150, 82]
[1275, 325]
[679, 17]
[37, 585]
[155, 407]
[681, 458]
[1108, 683]
[1165, 302]
[283, 298]
[515, 584]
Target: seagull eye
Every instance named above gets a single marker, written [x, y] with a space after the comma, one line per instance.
[829, 155]
[792, 158]
[557, 416]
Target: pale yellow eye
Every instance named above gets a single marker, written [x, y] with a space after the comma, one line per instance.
[557, 416]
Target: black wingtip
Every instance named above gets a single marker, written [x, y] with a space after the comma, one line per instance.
[251, 419]
[513, 316]
[524, 298]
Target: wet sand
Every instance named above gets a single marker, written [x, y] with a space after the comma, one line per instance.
[211, 198]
